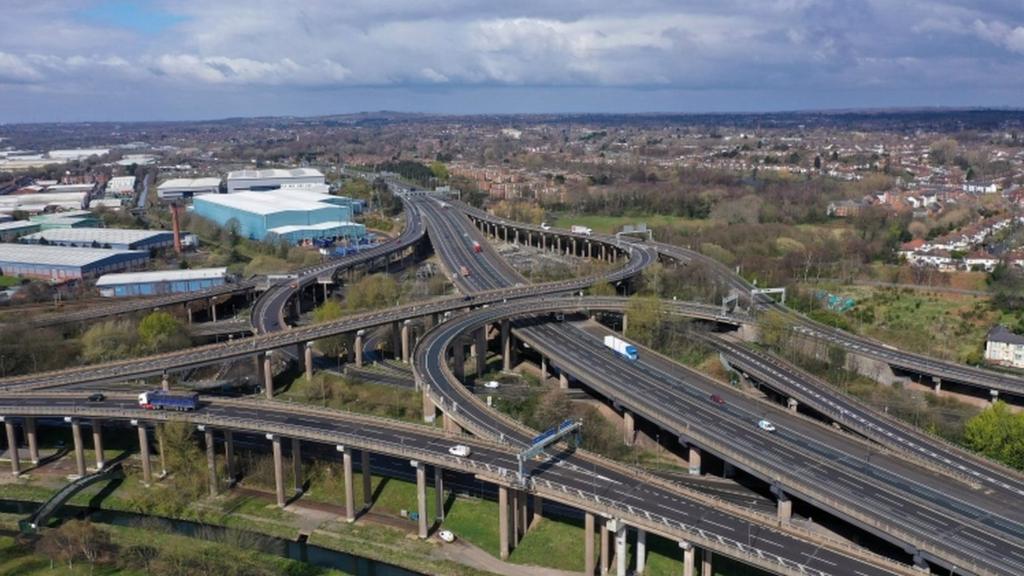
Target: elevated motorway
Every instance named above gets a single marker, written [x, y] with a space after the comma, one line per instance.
[873, 498]
[597, 487]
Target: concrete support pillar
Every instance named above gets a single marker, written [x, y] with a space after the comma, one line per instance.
[516, 241]
[628, 428]
[785, 508]
[606, 553]
[359, 348]
[706, 562]
[688, 558]
[995, 395]
[429, 408]
[481, 351]
[543, 368]
[590, 249]
[229, 457]
[367, 479]
[574, 247]
[524, 513]
[350, 498]
[163, 453]
[32, 438]
[211, 460]
[641, 551]
[268, 376]
[694, 460]
[97, 442]
[278, 469]
[438, 494]
[620, 548]
[506, 346]
[12, 447]
[563, 380]
[625, 323]
[76, 433]
[514, 505]
[538, 509]
[188, 310]
[543, 241]
[405, 341]
[165, 382]
[421, 496]
[308, 349]
[396, 339]
[792, 404]
[213, 309]
[558, 244]
[459, 361]
[588, 544]
[503, 522]
[147, 468]
[297, 464]
[604, 252]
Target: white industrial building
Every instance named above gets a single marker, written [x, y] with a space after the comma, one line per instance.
[259, 180]
[116, 238]
[187, 188]
[42, 202]
[76, 153]
[59, 264]
[121, 187]
[130, 284]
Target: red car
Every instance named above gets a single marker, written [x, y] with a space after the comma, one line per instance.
[717, 399]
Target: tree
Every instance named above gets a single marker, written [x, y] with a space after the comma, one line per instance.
[372, 292]
[998, 433]
[161, 332]
[644, 319]
[108, 341]
[74, 540]
[439, 170]
[333, 345]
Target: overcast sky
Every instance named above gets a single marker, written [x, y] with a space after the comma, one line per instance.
[191, 59]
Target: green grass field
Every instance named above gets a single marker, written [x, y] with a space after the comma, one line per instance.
[8, 281]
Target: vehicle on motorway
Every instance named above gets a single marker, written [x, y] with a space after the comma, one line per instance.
[621, 346]
[765, 425]
[476, 247]
[445, 205]
[491, 384]
[97, 397]
[464, 271]
[577, 229]
[460, 450]
[163, 400]
[467, 297]
[446, 536]
[717, 399]
[545, 226]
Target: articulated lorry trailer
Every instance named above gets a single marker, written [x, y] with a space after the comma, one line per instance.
[621, 346]
[163, 400]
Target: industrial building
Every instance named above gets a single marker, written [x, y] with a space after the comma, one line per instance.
[292, 215]
[115, 238]
[187, 187]
[163, 282]
[43, 202]
[259, 180]
[11, 231]
[59, 264]
[69, 219]
[121, 187]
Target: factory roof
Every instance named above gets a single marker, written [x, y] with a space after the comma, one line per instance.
[190, 183]
[121, 184]
[269, 202]
[101, 235]
[161, 276]
[58, 255]
[282, 230]
[274, 173]
[17, 224]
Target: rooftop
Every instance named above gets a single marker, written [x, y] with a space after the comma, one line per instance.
[274, 173]
[101, 235]
[190, 183]
[58, 255]
[1003, 334]
[17, 224]
[269, 202]
[161, 276]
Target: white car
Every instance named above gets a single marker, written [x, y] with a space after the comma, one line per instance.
[766, 425]
[545, 226]
[491, 384]
[460, 450]
[446, 535]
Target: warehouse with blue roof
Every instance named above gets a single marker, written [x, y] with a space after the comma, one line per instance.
[294, 215]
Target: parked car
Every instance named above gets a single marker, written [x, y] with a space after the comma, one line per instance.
[717, 399]
[97, 397]
[446, 535]
[491, 384]
[460, 450]
[766, 425]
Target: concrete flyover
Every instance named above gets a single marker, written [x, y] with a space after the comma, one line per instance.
[603, 490]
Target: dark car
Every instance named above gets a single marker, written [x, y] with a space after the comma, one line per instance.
[717, 399]
[97, 397]
[467, 298]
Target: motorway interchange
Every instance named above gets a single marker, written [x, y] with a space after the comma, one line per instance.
[930, 506]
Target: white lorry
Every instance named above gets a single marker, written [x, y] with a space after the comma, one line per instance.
[621, 346]
[577, 229]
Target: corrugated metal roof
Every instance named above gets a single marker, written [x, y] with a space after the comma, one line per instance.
[161, 276]
[101, 235]
[18, 224]
[189, 183]
[58, 255]
[269, 202]
[274, 173]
